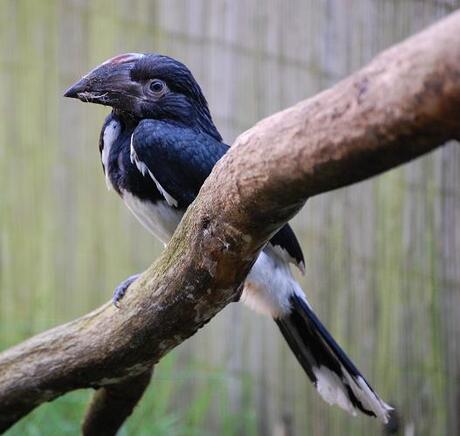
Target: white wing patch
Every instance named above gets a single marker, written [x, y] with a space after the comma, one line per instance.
[142, 167]
[111, 132]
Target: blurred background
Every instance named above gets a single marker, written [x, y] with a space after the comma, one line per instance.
[382, 256]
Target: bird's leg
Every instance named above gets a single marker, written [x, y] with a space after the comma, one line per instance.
[121, 289]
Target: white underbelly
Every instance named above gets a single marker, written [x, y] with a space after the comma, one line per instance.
[158, 218]
[269, 284]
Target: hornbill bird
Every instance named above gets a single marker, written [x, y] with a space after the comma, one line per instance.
[157, 146]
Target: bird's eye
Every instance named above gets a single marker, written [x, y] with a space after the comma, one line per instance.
[157, 86]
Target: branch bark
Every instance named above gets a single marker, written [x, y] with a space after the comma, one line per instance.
[403, 104]
[111, 405]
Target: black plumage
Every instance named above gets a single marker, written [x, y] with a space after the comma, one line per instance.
[181, 159]
[157, 147]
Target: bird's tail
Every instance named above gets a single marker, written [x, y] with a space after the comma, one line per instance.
[326, 364]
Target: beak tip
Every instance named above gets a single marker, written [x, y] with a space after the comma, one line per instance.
[71, 92]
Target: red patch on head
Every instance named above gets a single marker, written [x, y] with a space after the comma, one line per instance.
[127, 57]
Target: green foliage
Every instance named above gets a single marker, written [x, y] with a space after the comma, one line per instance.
[158, 413]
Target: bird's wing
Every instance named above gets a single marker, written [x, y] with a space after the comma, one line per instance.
[286, 245]
[176, 158]
[179, 160]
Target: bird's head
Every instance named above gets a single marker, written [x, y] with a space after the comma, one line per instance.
[147, 86]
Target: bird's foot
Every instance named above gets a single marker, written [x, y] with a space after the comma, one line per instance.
[121, 289]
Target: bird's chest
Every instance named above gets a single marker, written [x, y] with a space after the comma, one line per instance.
[120, 173]
[110, 154]
[159, 218]
[138, 192]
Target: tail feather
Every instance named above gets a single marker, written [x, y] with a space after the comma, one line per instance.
[334, 375]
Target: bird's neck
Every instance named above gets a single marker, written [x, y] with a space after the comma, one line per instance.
[129, 120]
[201, 121]
[204, 123]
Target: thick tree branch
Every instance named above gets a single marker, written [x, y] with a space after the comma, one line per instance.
[112, 404]
[403, 104]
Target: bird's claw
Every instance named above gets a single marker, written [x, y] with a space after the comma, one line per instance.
[121, 289]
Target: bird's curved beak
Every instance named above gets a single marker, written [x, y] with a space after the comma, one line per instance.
[108, 84]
